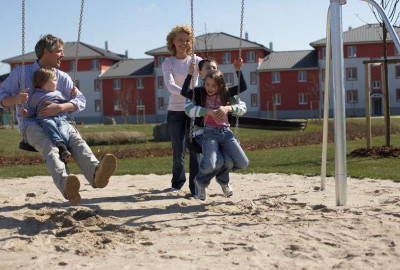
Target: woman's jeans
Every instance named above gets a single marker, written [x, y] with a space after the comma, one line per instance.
[178, 125]
[221, 153]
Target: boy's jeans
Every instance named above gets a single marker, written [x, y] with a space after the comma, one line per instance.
[56, 128]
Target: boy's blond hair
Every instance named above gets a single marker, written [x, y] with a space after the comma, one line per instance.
[43, 75]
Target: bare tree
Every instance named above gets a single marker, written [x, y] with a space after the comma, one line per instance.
[390, 7]
[272, 98]
[125, 97]
[313, 93]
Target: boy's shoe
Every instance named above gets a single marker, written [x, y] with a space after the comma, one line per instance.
[72, 186]
[105, 170]
[227, 190]
[64, 153]
[200, 191]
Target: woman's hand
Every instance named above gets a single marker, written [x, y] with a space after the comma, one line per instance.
[192, 68]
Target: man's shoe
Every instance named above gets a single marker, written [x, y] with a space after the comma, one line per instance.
[105, 170]
[72, 186]
[200, 191]
[227, 190]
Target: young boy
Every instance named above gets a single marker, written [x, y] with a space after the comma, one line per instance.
[55, 127]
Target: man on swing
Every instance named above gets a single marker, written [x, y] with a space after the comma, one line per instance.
[49, 51]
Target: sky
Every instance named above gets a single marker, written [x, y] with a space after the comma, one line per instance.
[142, 25]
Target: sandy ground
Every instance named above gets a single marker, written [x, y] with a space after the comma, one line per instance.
[272, 221]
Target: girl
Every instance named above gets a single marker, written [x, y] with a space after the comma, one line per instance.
[175, 68]
[221, 151]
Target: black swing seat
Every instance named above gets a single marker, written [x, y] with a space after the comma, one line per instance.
[26, 147]
[193, 146]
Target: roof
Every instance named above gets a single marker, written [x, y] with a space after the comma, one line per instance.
[130, 68]
[290, 60]
[369, 33]
[3, 77]
[215, 42]
[85, 51]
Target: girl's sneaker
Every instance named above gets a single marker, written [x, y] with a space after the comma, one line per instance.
[227, 190]
[200, 191]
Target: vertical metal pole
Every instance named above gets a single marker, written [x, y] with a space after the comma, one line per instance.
[339, 102]
[326, 100]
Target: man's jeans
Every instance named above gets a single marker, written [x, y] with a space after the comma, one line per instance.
[80, 151]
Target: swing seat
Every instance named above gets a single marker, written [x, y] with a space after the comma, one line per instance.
[193, 146]
[26, 147]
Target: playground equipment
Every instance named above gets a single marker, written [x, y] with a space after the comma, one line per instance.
[334, 40]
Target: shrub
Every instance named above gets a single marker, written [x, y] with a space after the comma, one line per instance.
[110, 138]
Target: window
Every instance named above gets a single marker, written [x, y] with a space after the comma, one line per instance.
[277, 99]
[397, 72]
[250, 57]
[228, 79]
[352, 51]
[94, 64]
[117, 84]
[140, 102]
[161, 105]
[351, 74]
[397, 95]
[352, 96]
[253, 100]
[276, 77]
[117, 105]
[324, 53]
[160, 60]
[97, 105]
[323, 75]
[160, 82]
[139, 83]
[253, 78]
[226, 58]
[376, 84]
[97, 85]
[303, 99]
[302, 76]
[78, 84]
[72, 66]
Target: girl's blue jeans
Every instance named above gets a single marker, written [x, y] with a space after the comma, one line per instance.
[221, 154]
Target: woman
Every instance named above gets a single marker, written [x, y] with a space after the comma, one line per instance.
[175, 69]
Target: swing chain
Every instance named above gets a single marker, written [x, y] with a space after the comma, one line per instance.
[77, 53]
[78, 41]
[193, 61]
[23, 68]
[239, 74]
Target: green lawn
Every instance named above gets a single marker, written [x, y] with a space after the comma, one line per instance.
[304, 160]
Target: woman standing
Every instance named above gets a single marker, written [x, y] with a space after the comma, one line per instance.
[175, 69]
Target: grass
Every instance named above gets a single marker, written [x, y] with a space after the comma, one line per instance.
[304, 160]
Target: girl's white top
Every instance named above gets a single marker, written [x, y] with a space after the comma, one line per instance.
[175, 71]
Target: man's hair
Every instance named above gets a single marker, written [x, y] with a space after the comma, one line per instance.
[206, 60]
[43, 75]
[172, 35]
[48, 42]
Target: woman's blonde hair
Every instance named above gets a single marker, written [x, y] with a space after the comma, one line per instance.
[43, 75]
[172, 35]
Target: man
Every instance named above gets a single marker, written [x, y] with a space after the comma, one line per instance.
[49, 51]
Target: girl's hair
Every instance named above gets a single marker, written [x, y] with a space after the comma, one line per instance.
[43, 75]
[48, 42]
[223, 91]
[172, 35]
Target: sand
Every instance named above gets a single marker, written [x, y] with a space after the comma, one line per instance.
[272, 221]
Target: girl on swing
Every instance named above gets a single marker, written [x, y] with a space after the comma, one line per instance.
[221, 151]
